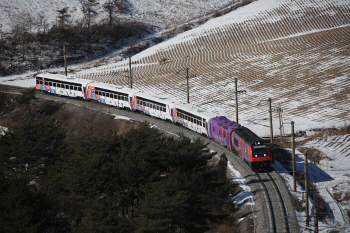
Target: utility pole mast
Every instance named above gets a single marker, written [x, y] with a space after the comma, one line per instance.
[65, 58]
[187, 83]
[188, 91]
[130, 73]
[316, 215]
[279, 110]
[270, 111]
[293, 156]
[306, 190]
[236, 98]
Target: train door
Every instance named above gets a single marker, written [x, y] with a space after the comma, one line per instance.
[172, 114]
[241, 152]
[224, 138]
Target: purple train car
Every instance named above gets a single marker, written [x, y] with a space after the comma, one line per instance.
[221, 129]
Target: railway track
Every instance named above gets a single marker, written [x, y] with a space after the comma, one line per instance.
[278, 214]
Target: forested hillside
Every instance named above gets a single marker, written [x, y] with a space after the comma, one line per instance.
[58, 177]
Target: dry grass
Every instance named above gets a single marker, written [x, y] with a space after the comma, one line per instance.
[314, 155]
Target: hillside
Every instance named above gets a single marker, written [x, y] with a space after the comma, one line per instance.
[296, 53]
[161, 14]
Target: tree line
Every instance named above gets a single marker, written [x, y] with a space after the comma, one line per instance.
[33, 43]
[138, 181]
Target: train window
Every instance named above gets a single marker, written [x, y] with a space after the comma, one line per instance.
[119, 97]
[235, 141]
[79, 89]
[143, 103]
[191, 119]
[54, 84]
[75, 88]
[157, 107]
[50, 84]
[200, 123]
[66, 86]
[41, 82]
[97, 93]
[185, 117]
[107, 94]
[138, 101]
[147, 105]
[37, 81]
[195, 121]
[164, 109]
[71, 87]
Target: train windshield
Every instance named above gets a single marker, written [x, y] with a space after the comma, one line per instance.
[260, 150]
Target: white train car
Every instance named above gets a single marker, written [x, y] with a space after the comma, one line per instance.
[193, 117]
[110, 94]
[62, 85]
[154, 105]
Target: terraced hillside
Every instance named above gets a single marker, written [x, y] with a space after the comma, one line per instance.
[295, 52]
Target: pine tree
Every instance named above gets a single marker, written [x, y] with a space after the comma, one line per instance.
[24, 99]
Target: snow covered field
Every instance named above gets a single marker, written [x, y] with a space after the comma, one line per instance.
[294, 52]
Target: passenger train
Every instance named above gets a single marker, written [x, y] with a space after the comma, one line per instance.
[249, 147]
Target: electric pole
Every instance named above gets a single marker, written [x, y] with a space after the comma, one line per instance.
[271, 131]
[188, 91]
[187, 83]
[293, 156]
[270, 113]
[279, 110]
[236, 98]
[306, 190]
[130, 73]
[65, 58]
[316, 215]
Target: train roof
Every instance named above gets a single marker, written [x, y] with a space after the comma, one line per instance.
[195, 110]
[223, 122]
[107, 86]
[63, 78]
[155, 97]
[247, 135]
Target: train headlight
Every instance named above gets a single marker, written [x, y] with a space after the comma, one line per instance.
[264, 155]
[255, 155]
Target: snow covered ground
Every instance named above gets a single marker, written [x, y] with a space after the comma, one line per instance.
[331, 176]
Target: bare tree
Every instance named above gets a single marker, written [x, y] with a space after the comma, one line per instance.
[21, 25]
[88, 8]
[111, 6]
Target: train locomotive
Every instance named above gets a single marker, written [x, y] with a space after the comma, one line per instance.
[249, 147]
